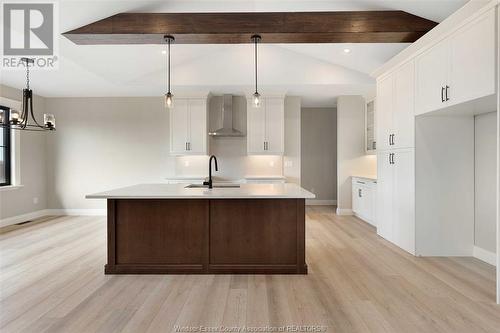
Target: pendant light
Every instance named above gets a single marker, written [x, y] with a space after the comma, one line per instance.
[169, 98]
[256, 96]
[25, 120]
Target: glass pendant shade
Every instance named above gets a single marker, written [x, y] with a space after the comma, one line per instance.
[256, 99]
[169, 100]
[15, 118]
[49, 121]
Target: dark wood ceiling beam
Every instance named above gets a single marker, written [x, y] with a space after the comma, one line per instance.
[234, 28]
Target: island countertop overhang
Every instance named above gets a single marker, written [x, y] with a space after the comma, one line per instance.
[179, 191]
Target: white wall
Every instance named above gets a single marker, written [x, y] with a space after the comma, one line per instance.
[319, 152]
[485, 181]
[351, 157]
[32, 196]
[104, 143]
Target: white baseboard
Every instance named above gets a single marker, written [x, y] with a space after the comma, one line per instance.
[72, 212]
[344, 211]
[48, 212]
[315, 202]
[23, 218]
[484, 255]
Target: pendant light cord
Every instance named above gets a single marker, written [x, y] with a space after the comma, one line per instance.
[255, 40]
[168, 66]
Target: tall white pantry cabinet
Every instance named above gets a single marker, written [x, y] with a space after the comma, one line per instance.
[427, 98]
[396, 157]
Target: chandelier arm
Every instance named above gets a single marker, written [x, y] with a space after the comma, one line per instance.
[24, 113]
[32, 111]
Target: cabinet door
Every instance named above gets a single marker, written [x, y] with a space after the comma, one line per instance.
[404, 200]
[197, 127]
[367, 198]
[473, 60]
[356, 198]
[403, 113]
[179, 127]
[274, 129]
[385, 185]
[385, 104]
[431, 72]
[256, 118]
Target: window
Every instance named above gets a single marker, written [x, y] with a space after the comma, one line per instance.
[5, 174]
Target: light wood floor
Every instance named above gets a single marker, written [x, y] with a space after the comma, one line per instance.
[52, 280]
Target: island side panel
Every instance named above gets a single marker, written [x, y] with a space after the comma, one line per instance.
[109, 267]
[160, 236]
[257, 236]
[301, 236]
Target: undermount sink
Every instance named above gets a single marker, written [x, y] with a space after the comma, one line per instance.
[215, 186]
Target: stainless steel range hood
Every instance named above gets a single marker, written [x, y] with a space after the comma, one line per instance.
[227, 128]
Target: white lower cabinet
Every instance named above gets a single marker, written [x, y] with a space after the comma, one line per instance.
[395, 206]
[363, 198]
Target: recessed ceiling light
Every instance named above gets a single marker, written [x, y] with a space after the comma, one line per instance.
[347, 50]
[164, 52]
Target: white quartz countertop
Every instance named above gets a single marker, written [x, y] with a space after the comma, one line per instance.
[369, 177]
[178, 191]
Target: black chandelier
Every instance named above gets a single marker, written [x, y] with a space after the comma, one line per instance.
[26, 119]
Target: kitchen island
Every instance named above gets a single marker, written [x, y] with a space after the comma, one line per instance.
[172, 229]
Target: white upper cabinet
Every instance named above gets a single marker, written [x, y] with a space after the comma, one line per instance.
[431, 77]
[385, 105]
[473, 60]
[395, 109]
[403, 121]
[179, 123]
[458, 69]
[265, 127]
[188, 127]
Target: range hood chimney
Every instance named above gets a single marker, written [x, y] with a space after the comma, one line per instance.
[227, 128]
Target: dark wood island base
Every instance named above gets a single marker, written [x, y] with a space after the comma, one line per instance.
[206, 236]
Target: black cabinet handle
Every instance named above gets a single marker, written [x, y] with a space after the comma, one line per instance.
[390, 161]
[359, 192]
[442, 94]
[447, 98]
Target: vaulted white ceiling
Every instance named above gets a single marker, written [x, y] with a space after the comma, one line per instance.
[317, 72]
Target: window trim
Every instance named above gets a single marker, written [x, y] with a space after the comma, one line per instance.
[7, 150]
